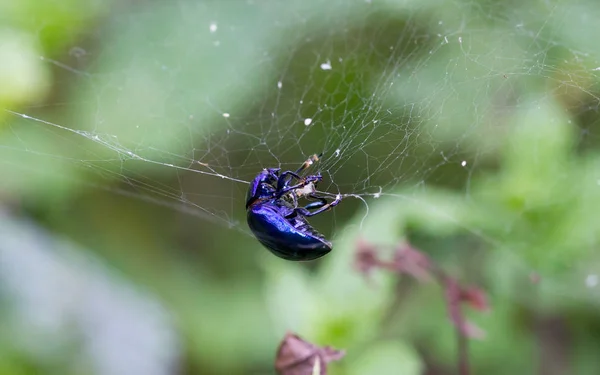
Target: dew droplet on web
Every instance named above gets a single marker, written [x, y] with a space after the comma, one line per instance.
[337, 153]
[279, 84]
[77, 52]
[307, 121]
[213, 27]
[326, 66]
[464, 163]
[226, 115]
[591, 280]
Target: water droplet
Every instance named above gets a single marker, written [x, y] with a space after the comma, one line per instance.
[464, 163]
[77, 52]
[337, 153]
[326, 66]
[591, 280]
[279, 84]
[307, 121]
[226, 115]
[213, 27]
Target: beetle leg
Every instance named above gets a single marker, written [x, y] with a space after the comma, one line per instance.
[320, 202]
[303, 182]
[322, 206]
[281, 181]
[294, 199]
[309, 162]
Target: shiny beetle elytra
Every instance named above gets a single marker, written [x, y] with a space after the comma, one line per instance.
[276, 220]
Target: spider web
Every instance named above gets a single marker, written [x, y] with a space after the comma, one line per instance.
[182, 104]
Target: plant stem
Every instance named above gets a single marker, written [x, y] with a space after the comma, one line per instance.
[463, 354]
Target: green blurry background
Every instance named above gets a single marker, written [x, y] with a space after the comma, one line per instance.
[128, 131]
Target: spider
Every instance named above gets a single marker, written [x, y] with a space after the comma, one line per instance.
[276, 220]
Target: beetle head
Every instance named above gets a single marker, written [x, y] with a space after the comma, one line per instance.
[263, 185]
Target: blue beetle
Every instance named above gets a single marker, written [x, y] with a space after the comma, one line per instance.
[276, 220]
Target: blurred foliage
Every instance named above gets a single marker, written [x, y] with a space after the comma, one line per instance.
[479, 117]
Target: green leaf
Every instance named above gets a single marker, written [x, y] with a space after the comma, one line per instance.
[23, 76]
[387, 358]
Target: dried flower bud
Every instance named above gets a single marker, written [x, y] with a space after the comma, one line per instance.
[455, 296]
[296, 356]
[475, 297]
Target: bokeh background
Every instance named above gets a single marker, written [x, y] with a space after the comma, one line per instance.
[129, 131]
